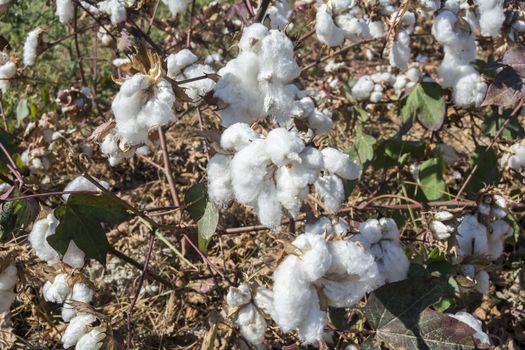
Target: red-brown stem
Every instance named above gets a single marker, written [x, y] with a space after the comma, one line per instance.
[77, 49]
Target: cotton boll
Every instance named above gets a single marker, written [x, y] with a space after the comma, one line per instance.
[371, 230]
[391, 260]
[31, 46]
[251, 323]
[354, 28]
[389, 229]
[466, 90]
[74, 256]
[279, 14]
[377, 29]
[116, 9]
[316, 259]
[80, 183]
[38, 239]
[158, 110]
[376, 96]
[110, 147]
[471, 237]
[278, 57]
[321, 226]
[7, 71]
[491, 17]
[278, 101]
[311, 330]
[320, 122]
[268, 208]
[57, 291]
[325, 29]
[517, 160]
[92, 340]
[264, 301]
[248, 171]
[440, 230]
[400, 51]
[500, 231]
[283, 146]
[473, 323]
[178, 61]
[220, 188]
[339, 164]
[362, 88]
[238, 136]
[176, 6]
[78, 326]
[199, 88]
[252, 36]
[331, 191]
[65, 10]
[238, 296]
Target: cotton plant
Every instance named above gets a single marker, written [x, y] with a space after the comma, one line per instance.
[455, 34]
[8, 280]
[7, 71]
[145, 101]
[254, 85]
[183, 66]
[273, 173]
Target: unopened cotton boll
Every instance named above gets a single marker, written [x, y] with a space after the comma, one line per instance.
[92, 340]
[338, 163]
[178, 61]
[325, 29]
[220, 188]
[58, 290]
[473, 323]
[176, 6]
[65, 10]
[31, 46]
[78, 326]
[283, 146]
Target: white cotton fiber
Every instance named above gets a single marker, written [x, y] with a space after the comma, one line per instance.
[65, 10]
[74, 256]
[325, 29]
[279, 13]
[491, 17]
[473, 323]
[178, 61]
[220, 188]
[283, 146]
[31, 46]
[92, 340]
[278, 57]
[116, 9]
[80, 293]
[251, 323]
[238, 136]
[363, 88]
[471, 237]
[331, 191]
[316, 259]
[78, 326]
[57, 291]
[7, 71]
[80, 183]
[238, 296]
[198, 88]
[499, 231]
[371, 231]
[391, 260]
[37, 238]
[252, 36]
[268, 207]
[176, 6]
[338, 163]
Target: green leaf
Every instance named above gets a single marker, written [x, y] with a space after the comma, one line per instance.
[22, 111]
[195, 200]
[7, 218]
[395, 152]
[207, 225]
[17, 215]
[487, 172]
[431, 178]
[512, 131]
[362, 151]
[399, 314]
[80, 221]
[426, 101]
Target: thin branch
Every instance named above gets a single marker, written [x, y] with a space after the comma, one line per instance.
[77, 49]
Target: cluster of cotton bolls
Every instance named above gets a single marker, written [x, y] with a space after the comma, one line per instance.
[372, 87]
[64, 289]
[7, 71]
[459, 46]
[515, 159]
[248, 311]
[481, 238]
[254, 85]
[8, 279]
[176, 6]
[275, 172]
[182, 66]
[144, 102]
[115, 9]
[31, 46]
[338, 20]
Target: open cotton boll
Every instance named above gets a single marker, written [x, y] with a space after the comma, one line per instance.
[371, 230]
[268, 207]
[377, 29]
[238, 136]
[31, 46]
[37, 238]
[389, 229]
[469, 89]
[311, 330]
[92, 340]
[7, 71]
[391, 260]
[283, 146]
[338, 163]
[491, 17]
[440, 230]
[325, 29]
[251, 323]
[252, 36]
[80, 183]
[80, 293]
[65, 10]
[517, 160]
[321, 226]
[363, 88]
[473, 323]
[471, 237]
[78, 326]
[74, 256]
[500, 231]
[178, 61]
[331, 191]
[278, 57]
[279, 14]
[57, 291]
[238, 296]
[198, 88]
[220, 188]
[316, 259]
[158, 110]
[116, 9]
[278, 101]
[176, 6]
[110, 147]
[248, 171]
[263, 299]
[482, 282]
[400, 51]
[354, 28]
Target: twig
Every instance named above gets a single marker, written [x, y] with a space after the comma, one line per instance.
[261, 11]
[77, 49]
[167, 168]
[190, 25]
[152, 19]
